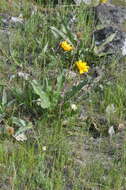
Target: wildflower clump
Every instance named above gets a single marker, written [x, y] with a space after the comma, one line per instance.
[66, 46]
[103, 1]
[82, 66]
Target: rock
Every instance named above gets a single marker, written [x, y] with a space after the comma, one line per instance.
[111, 131]
[7, 21]
[118, 2]
[124, 48]
[16, 21]
[87, 2]
[111, 46]
[110, 35]
[109, 14]
[4, 20]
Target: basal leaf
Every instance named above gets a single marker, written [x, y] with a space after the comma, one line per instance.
[44, 99]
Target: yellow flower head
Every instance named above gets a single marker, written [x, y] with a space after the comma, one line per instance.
[103, 1]
[66, 46]
[82, 66]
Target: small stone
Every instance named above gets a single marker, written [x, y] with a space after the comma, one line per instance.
[73, 107]
[111, 131]
[20, 137]
[17, 19]
[23, 75]
[124, 48]
[121, 127]
[110, 109]
[44, 148]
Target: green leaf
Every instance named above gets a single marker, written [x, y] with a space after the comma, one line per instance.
[45, 48]
[19, 122]
[75, 90]
[44, 98]
[57, 33]
[24, 126]
[60, 80]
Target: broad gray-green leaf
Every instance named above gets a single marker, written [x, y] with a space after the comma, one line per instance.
[57, 33]
[60, 80]
[45, 102]
[19, 122]
[45, 48]
[75, 90]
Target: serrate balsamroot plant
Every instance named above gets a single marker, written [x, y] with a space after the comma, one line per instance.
[72, 51]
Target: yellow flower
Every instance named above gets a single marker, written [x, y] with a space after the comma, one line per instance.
[82, 66]
[66, 46]
[103, 1]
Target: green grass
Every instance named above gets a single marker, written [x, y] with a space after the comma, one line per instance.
[40, 105]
